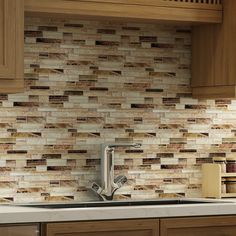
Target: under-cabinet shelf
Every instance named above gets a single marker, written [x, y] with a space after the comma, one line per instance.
[225, 175]
[228, 195]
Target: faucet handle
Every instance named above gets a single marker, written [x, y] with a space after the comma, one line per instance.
[120, 181]
[96, 188]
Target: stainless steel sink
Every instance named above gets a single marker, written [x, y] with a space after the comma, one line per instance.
[120, 203]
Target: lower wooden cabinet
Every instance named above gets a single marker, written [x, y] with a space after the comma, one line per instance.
[20, 230]
[188, 226]
[104, 228]
[199, 226]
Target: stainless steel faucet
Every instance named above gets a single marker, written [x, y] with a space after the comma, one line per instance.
[109, 184]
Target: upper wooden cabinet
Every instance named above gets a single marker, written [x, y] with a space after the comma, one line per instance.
[213, 45]
[104, 228]
[214, 57]
[11, 45]
[197, 11]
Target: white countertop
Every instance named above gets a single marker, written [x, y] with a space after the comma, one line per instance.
[17, 214]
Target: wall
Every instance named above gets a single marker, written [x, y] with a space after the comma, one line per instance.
[89, 82]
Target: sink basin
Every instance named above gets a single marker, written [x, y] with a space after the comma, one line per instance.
[119, 203]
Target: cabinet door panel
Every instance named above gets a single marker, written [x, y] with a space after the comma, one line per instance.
[210, 231]
[118, 233]
[105, 228]
[199, 226]
[1, 33]
[19, 230]
[7, 38]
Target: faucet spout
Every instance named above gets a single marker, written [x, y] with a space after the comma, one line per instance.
[107, 169]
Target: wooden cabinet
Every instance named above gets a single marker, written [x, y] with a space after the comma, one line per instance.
[151, 10]
[19, 230]
[199, 226]
[11, 45]
[188, 226]
[104, 228]
[214, 56]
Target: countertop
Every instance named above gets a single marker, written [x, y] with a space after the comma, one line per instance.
[18, 214]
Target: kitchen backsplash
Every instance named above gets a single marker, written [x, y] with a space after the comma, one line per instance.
[89, 82]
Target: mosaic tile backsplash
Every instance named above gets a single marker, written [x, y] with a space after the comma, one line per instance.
[87, 83]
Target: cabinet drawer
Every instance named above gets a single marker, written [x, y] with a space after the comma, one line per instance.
[104, 228]
[199, 226]
[19, 230]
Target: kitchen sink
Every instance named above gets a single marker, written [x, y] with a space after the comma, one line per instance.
[120, 203]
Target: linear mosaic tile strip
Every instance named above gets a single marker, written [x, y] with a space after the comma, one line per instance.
[89, 82]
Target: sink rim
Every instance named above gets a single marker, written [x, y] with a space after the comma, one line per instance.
[131, 203]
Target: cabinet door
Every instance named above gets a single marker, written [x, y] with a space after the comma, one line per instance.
[199, 226]
[213, 57]
[11, 45]
[19, 230]
[105, 228]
